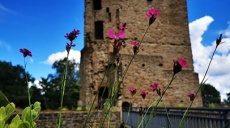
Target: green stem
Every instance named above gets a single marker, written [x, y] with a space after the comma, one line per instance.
[125, 72]
[181, 124]
[93, 104]
[88, 114]
[170, 125]
[28, 92]
[158, 101]
[28, 89]
[111, 102]
[63, 91]
[5, 97]
[128, 113]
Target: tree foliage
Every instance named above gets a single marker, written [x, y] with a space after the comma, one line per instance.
[227, 101]
[210, 95]
[13, 84]
[51, 85]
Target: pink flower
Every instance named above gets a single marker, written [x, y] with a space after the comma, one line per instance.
[122, 26]
[132, 90]
[135, 46]
[120, 34]
[183, 63]
[25, 52]
[72, 35]
[69, 46]
[135, 43]
[119, 41]
[152, 15]
[192, 96]
[154, 86]
[144, 93]
[178, 64]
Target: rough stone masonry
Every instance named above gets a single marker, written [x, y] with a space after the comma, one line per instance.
[166, 40]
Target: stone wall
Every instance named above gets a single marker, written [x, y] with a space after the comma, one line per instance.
[75, 119]
[166, 40]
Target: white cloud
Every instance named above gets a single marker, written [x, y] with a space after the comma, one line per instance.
[197, 29]
[219, 72]
[74, 55]
[36, 83]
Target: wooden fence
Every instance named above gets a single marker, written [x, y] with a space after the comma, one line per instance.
[196, 118]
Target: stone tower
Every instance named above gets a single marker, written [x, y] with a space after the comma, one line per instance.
[166, 40]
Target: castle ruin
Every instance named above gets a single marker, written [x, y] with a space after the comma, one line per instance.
[166, 40]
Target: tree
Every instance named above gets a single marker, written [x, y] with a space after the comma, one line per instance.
[51, 86]
[36, 95]
[227, 101]
[210, 95]
[13, 84]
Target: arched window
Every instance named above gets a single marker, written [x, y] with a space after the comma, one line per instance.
[102, 96]
[126, 105]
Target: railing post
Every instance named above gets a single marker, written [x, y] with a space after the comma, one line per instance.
[226, 122]
[167, 117]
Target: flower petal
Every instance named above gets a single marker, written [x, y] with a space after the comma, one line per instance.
[111, 34]
[120, 34]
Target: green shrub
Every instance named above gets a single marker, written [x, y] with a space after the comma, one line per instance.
[115, 108]
[160, 105]
[225, 106]
[79, 108]
[211, 105]
[180, 105]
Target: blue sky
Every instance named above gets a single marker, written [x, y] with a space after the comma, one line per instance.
[217, 10]
[40, 26]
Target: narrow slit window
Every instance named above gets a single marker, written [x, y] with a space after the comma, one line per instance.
[149, 0]
[97, 4]
[98, 27]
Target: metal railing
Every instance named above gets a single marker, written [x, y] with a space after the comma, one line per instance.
[196, 118]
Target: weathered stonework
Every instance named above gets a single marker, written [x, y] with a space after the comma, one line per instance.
[75, 119]
[166, 40]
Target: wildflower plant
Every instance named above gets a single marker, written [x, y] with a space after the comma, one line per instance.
[192, 96]
[70, 36]
[132, 90]
[144, 93]
[29, 115]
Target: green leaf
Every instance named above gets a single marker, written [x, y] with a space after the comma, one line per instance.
[2, 114]
[26, 114]
[25, 124]
[15, 122]
[6, 126]
[2, 124]
[37, 106]
[9, 110]
[34, 114]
